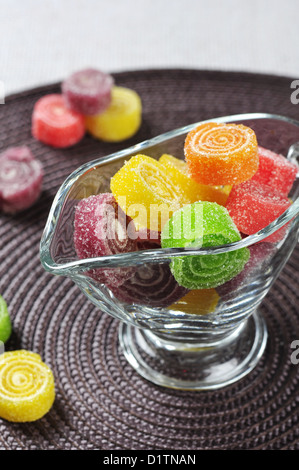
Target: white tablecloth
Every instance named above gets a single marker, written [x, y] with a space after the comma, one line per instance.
[42, 41]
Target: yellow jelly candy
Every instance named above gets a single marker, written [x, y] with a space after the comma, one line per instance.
[145, 192]
[27, 389]
[191, 190]
[120, 120]
[198, 301]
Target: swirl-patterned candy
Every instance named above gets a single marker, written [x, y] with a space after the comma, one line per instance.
[27, 389]
[21, 178]
[221, 154]
[145, 192]
[203, 224]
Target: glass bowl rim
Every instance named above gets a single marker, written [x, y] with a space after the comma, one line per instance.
[157, 255]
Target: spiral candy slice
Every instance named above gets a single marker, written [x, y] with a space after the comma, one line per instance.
[27, 389]
[145, 192]
[191, 190]
[203, 224]
[21, 177]
[221, 154]
[120, 120]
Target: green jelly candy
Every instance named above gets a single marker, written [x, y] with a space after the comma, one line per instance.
[203, 224]
[5, 324]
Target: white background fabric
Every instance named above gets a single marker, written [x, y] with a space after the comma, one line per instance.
[42, 41]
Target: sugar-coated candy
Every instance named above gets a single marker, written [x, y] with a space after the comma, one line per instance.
[101, 228]
[221, 154]
[121, 120]
[253, 206]
[54, 124]
[275, 171]
[88, 91]
[5, 322]
[152, 285]
[27, 388]
[144, 190]
[203, 224]
[21, 178]
[190, 189]
[197, 302]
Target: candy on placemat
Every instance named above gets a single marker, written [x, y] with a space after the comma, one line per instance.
[152, 285]
[253, 206]
[56, 125]
[275, 171]
[27, 388]
[88, 91]
[197, 302]
[100, 228]
[203, 224]
[121, 120]
[145, 192]
[190, 189]
[5, 322]
[221, 154]
[21, 178]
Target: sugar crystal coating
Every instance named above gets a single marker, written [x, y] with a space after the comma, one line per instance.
[54, 124]
[21, 178]
[27, 388]
[88, 91]
[275, 171]
[221, 154]
[203, 224]
[253, 206]
[101, 228]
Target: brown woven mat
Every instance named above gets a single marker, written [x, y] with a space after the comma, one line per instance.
[101, 402]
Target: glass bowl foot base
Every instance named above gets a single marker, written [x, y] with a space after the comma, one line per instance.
[194, 366]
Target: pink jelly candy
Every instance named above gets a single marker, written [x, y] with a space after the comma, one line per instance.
[88, 91]
[21, 177]
[100, 228]
[275, 171]
[253, 206]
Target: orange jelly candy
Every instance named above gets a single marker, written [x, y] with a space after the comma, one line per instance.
[221, 154]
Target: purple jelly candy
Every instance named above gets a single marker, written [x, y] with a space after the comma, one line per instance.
[152, 285]
[100, 228]
[21, 177]
[88, 91]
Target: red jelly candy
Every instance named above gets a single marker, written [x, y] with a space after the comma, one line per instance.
[100, 228]
[275, 171]
[88, 91]
[253, 206]
[21, 177]
[56, 125]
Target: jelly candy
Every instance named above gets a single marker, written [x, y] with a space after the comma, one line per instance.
[121, 120]
[145, 192]
[151, 285]
[27, 389]
[88, 91]
[100, 228]
[191, 190]
[5, 323]
[197, 302]
[54, 124]
[203, 224]
[275, 171]
[253, 206]
[21, 177]
[221, 154]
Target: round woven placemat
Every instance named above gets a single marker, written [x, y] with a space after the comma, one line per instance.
[101, 403]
